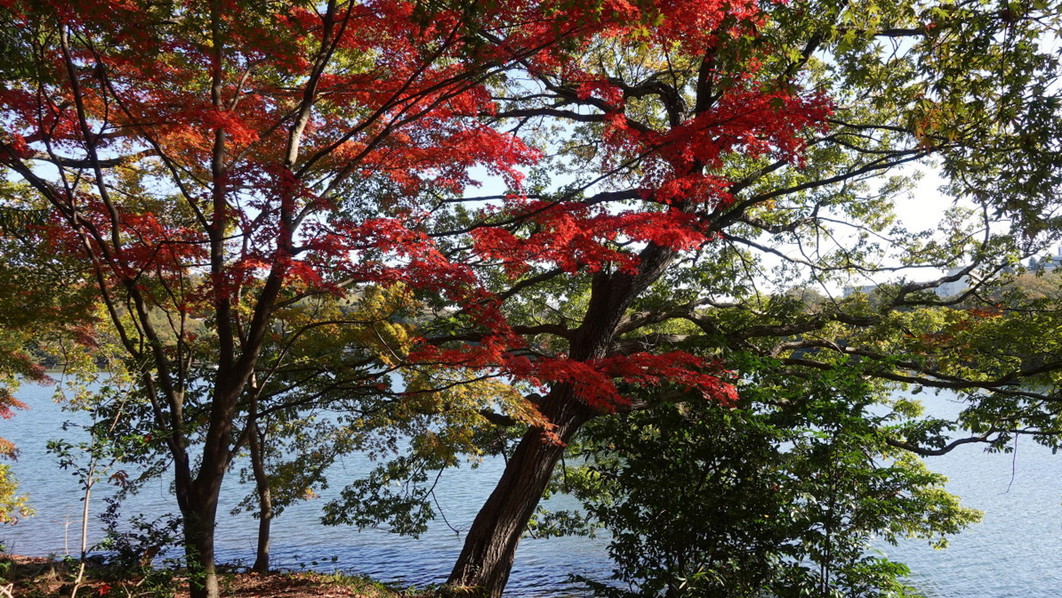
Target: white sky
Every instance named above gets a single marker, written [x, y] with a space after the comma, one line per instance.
[926, 205]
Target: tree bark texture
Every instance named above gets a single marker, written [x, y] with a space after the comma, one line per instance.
[199, 546]
[198, 496]
[265, 501]
[489, 549]
[491, 543]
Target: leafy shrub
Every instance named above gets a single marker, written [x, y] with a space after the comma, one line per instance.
[776, 496]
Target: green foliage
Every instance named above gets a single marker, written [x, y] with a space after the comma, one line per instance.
[712, 528]
[800, 472]
[13, 505]
[395, 493]
[133, 548]
[45, 313]
[411, 419]
[779, 495]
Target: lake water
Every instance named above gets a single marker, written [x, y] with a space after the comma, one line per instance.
[1016, 551]
[299, 541]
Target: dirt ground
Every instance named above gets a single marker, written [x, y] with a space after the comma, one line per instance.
[35, 577]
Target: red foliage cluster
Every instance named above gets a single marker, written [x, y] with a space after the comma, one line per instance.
[253, 130]
[594, 380]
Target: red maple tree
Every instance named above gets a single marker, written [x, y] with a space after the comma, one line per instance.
[217, 161]
[663, 123]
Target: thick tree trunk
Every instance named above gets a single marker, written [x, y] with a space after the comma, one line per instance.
[198, 499]
[491, 543]
[487, 556]
[199, 547]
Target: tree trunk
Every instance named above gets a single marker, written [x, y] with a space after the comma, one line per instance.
[487, 556]
[199, 548]
[265, 500]
[261, 559]
[490, 546]
[198, 499]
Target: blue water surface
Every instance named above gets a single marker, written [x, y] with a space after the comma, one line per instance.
[299, 540]
[1016, 551]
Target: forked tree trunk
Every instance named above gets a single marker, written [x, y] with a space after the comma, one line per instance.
[198, 500]
[487, 556]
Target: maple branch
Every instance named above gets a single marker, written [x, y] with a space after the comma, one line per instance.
[816, 322]
[499, 419]
[557, 330]
[325, 52]
[134, 293]
[570, 95]
[347, 385]
[736, 211]
[674, 104]
[802, 261]
[835, 121]
[88, 162]
[740, 185]
[899, 32]
[529, 282]
[642, 319]
[553, 112]
[925, 376]
[647, 343]
[610, 296]
[177, 172]
[223, 314]
[936, 452]
[88, 138]
[706, 97]
[557, 202]
[12, 160]
[396, 98]
[780, 228]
